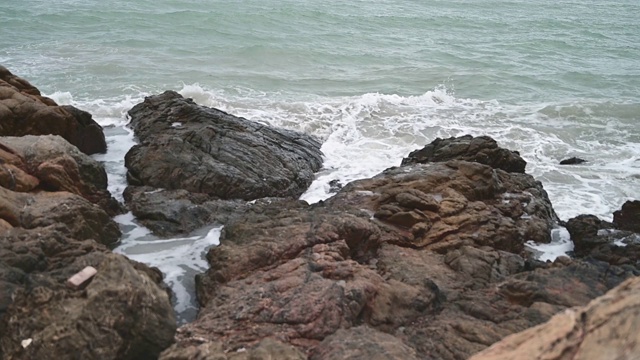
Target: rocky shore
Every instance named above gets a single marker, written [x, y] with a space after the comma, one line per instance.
[427, 260]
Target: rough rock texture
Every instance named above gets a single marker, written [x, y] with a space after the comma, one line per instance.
[121, 314]
[50, 163]
[204, 150]
[482, 149]
[24, 111]
[607, 328]
[267, 349]
[422, 261]
[81, 219]
[169, 212]
[601, 240]
[628, 218]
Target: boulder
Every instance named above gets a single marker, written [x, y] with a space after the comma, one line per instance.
[24, 111]
[205, 150]
[55, 165]
[481, 149]
[628, 217]
[265, 350]
[362, 342]
[606, 328]
[81, 219]
[121, 313]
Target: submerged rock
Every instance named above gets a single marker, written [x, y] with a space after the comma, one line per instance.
[572, 161]
[24, 111]
[604, 329]
[205, 150]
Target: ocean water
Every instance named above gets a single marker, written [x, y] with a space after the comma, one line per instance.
[373, 79]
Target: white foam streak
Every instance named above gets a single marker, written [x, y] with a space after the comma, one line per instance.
[560, 245]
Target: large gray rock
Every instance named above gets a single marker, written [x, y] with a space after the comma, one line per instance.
[205, 150]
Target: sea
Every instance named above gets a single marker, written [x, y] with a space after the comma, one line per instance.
[373, 80]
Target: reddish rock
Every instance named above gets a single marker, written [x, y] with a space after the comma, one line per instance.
[24, 111]
[628, 218]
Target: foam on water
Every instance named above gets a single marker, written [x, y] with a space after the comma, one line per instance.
[560, 245]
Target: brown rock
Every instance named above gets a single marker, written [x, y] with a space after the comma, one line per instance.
[604, 329]
[267, 349]
[23, 111]
[362, 342]
[56, 165]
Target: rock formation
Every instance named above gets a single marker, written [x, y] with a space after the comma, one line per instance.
[604, 329]
[24, 111]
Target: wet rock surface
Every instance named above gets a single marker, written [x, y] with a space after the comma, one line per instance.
[204, 150]
[422, 261]
[24, 111]
[606, 328]
[481, 149]
[572, 161]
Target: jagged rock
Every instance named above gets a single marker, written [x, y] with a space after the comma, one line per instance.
[204, 150]
[572, 161]
[481, 149]
[604, 329]
[362, 342]
[170, 212]
[82, 219]
[628, 218]
[121, 314]
[24, 111]
[267, 349]
[56, 165]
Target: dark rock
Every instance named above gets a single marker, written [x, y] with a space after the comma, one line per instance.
[572, 161]
[628, 218]
[204, 150]
[600, 240]
[481, 149]
[334, 186]
[24, 111]
[170, 212]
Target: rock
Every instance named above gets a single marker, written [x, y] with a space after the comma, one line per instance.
[600, 240]
[362, 342]
[267, 349]
[82, 220]
[171, 212]
[121, 314]
[23, 111]
[604, 329]
[57, 165]
[334, 186]
[481, 149]
[204, 150]
[572, 161]
[628, 218]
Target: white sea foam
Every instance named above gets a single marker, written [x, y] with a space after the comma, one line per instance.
[560, 245]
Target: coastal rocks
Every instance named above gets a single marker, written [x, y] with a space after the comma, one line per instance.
[24, 111]
[628, 218]
[121, 314]
[55, 165]
[481, 149]
[604, 329]
[170, 212]
[204, 150]
[424, 260]
[266, 349]
[81, 219]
